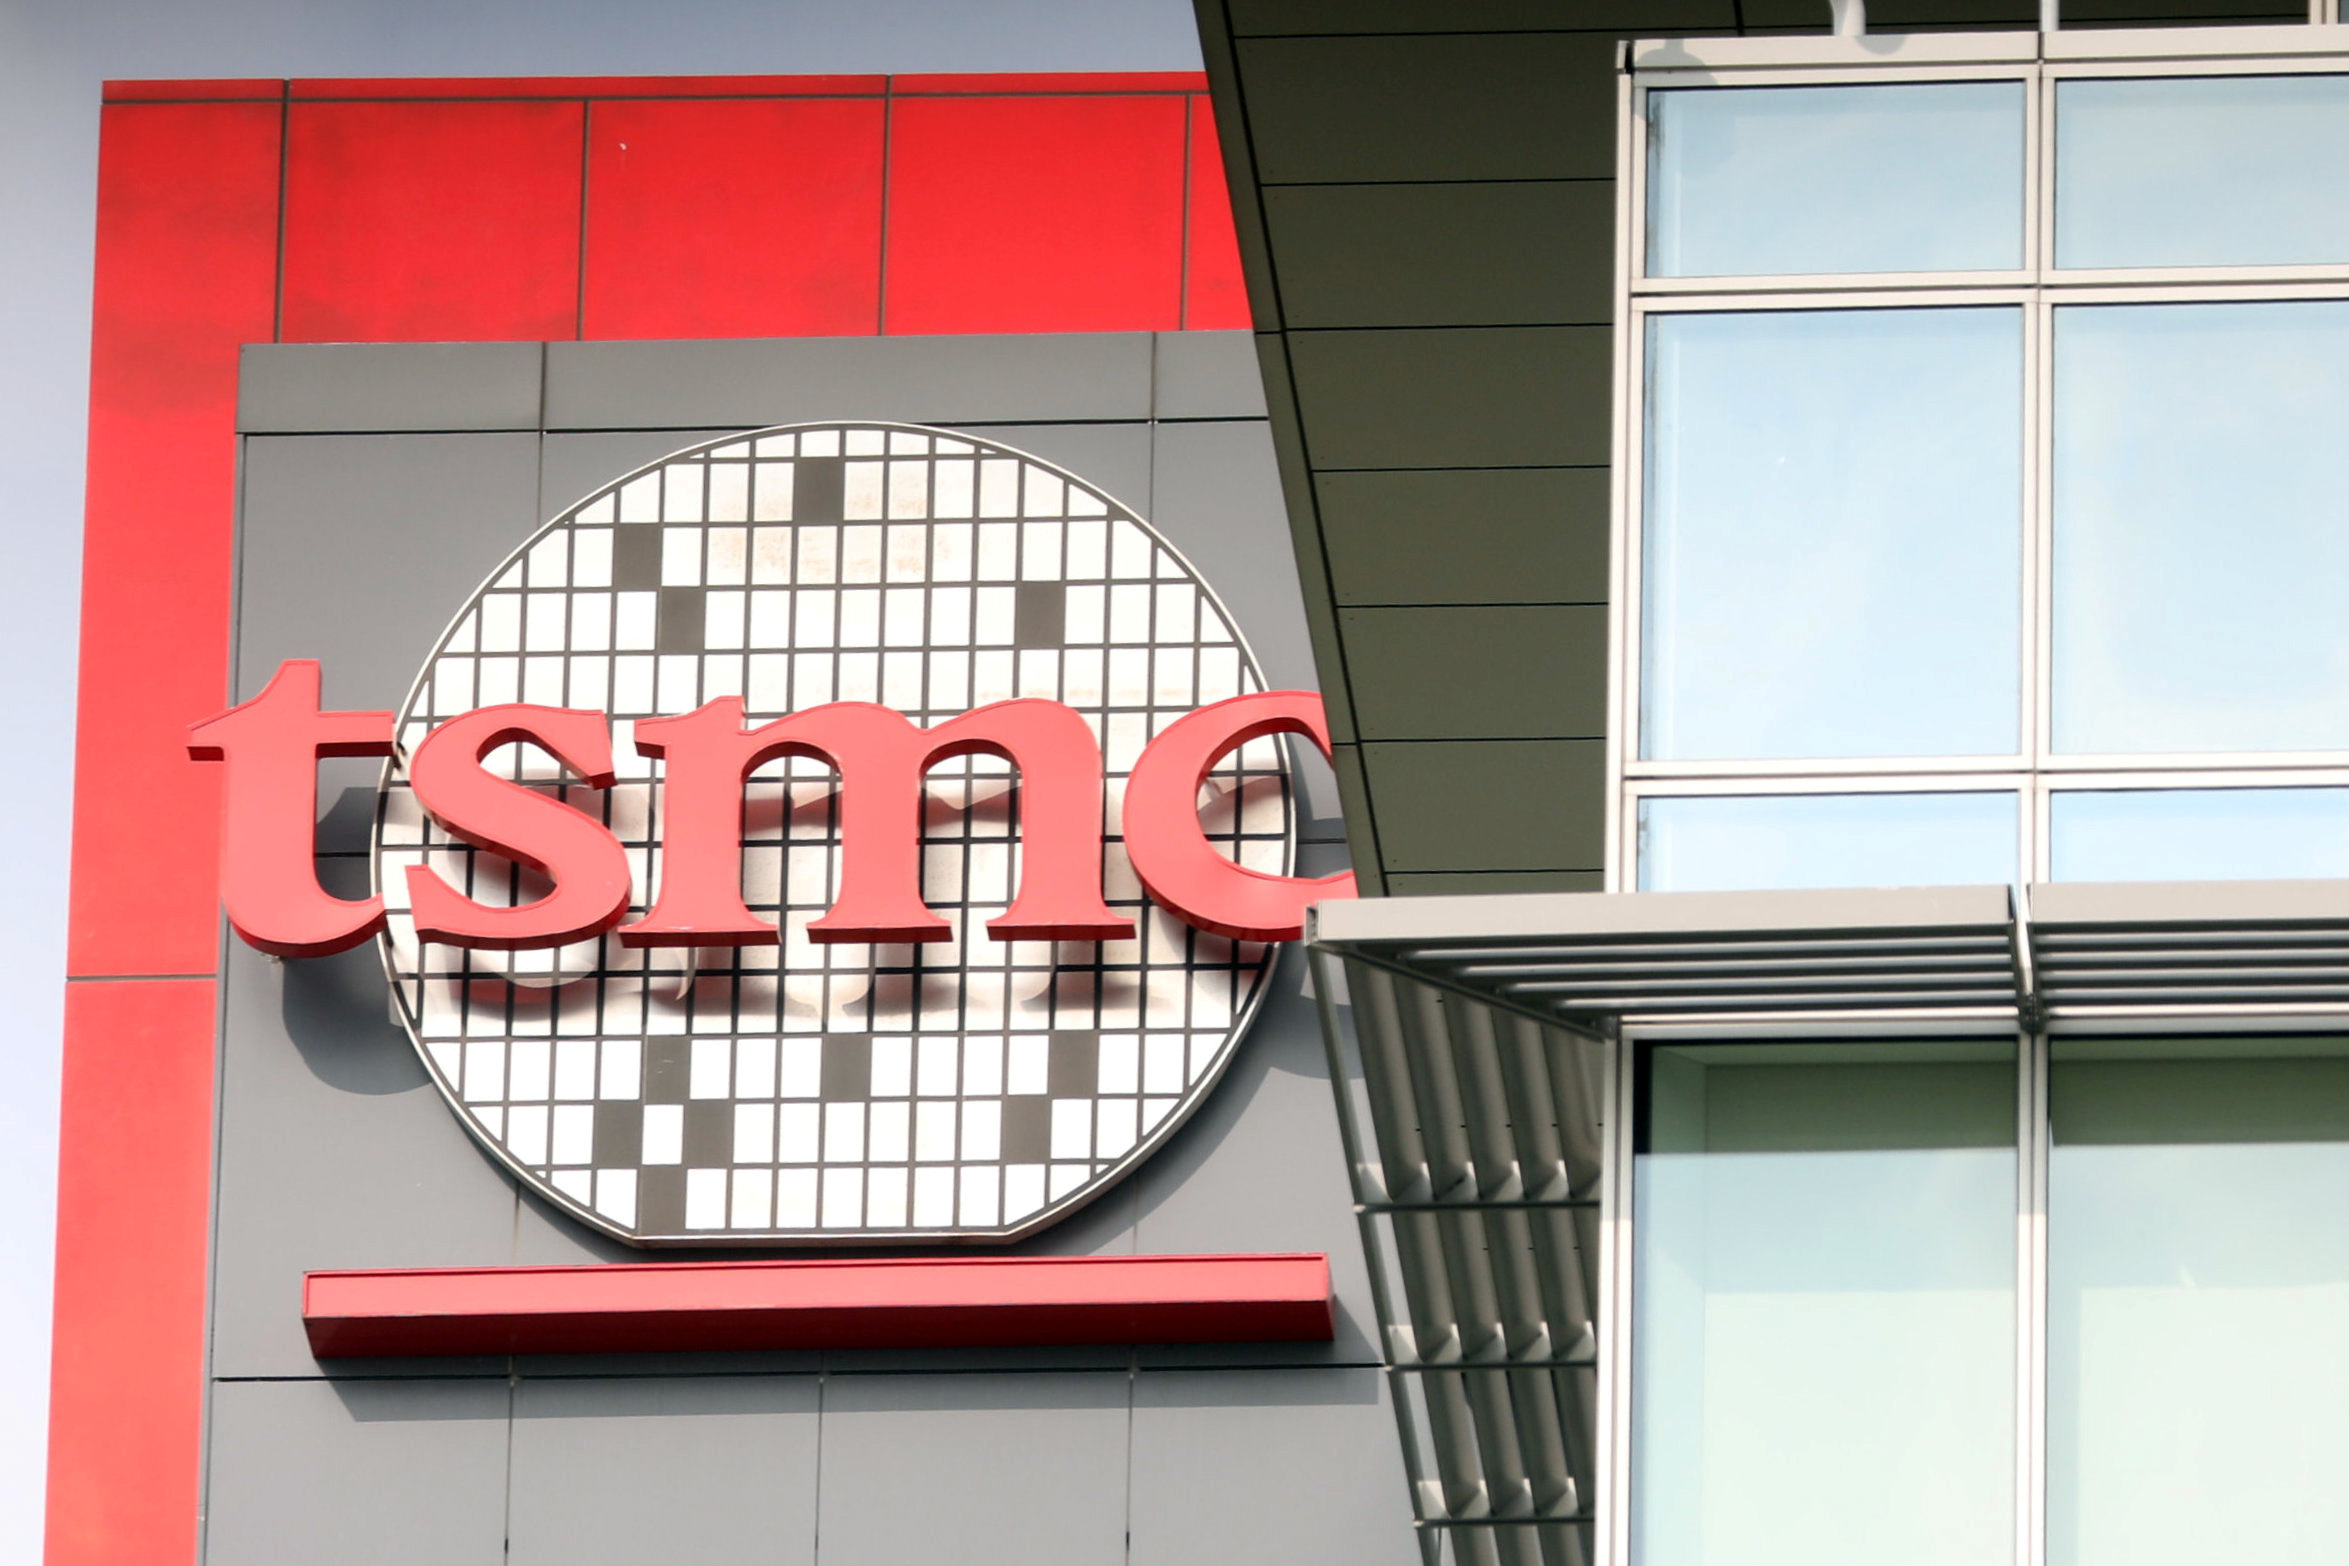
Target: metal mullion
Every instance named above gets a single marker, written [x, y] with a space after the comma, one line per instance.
[1770, 285]
[1922, 782]
[1625, 431]
[1612, 1489]
[1824, 768]
[1719, 300]
[2038, 651]
[2325, 57]
[1826, 74]
[2030, 1367]
[2202, 285]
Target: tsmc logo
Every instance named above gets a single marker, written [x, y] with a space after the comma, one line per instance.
[845, 833]
[271, 746]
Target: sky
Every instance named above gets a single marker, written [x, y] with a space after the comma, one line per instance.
[53, 55]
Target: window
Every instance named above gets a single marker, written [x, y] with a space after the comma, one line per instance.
[1984, 466]
[2198, 1302]
[1825, 1244]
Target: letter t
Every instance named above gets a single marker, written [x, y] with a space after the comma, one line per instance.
[268, 880]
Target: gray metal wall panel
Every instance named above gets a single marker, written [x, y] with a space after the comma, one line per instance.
[357, 549]
[1206, 375]
[664, 385]
[679, 1470]
[337, 1152]
[976, 1469]
[1268, 1468]
[1257, 1168]
[285, 389]
[357, 1473]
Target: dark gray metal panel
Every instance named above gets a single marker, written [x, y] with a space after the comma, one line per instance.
[1467, 536]
[356, 1473]
[1260, 1168]
[1516, 254]
[624, 1472]
[932, 380]
[1479, 672]
[1274, 18]
[1207, 375]
[303, 388]
[1489, 804]
[1216, 493]
[1268, 1468]
[1517, 106]
[1474, 883]
[976, 1469]
[335, 1151]
[1305, 537]
[1486, 397]
[357, 549]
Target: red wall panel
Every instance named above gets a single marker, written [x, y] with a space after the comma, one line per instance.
[1215, 295]
[187, 266]
[432, 222]
[1049, 203]
[734, 218]
[1048, 214]
[126, 1392]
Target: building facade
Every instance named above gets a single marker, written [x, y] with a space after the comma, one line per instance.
[1815, 536]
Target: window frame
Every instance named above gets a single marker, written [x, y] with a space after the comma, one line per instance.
[2041, 63]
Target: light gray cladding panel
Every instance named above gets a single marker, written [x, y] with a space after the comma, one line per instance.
[310, 388]
[335, 1151]
[1258, 1169]
[980, 1470]
[1208, 375]
[932, 380]
[357, 1473]
[356, 549]
[1268, 1468]
[624, 1472]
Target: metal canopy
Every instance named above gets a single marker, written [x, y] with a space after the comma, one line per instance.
[1472, 1048]
[2041, 956]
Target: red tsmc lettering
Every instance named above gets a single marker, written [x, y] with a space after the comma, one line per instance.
[272, 744]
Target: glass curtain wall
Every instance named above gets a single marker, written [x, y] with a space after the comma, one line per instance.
[1987, 515]
[1986, 519]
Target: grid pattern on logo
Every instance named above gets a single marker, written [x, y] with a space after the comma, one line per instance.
[964, 1086]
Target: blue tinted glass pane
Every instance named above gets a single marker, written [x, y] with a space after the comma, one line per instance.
[2194, 1206]
[2200, 553]
[1824, 1309]
[1833, 521]
[2200, 834]
[1762, 842]
[2217, 171]
[1774, 180]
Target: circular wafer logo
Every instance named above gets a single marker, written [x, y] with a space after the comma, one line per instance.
[964, 1089]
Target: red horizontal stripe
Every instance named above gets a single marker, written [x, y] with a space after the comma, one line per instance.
[213, 91]
[854, 1302]
[1051, 82]
[404, 87]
